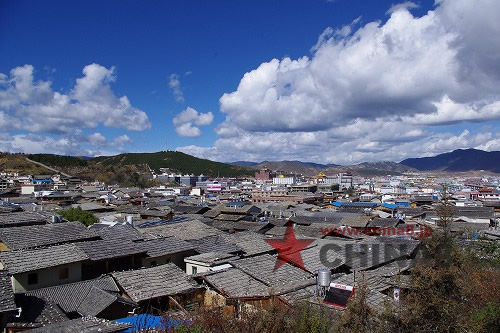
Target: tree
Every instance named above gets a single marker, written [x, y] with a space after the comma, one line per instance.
[77, 214]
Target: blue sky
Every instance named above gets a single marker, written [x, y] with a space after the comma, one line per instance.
[167, 57]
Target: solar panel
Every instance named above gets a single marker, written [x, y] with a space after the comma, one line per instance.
[339, 295]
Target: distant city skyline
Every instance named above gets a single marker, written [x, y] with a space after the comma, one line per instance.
[318, 81]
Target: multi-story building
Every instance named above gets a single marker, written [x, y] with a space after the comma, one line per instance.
[264, 175]
[344, 180]
[282, 180]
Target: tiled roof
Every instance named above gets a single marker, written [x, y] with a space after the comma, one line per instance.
[192, 229]
[387, 222]
[36, 312]
[164, 246]
[311, 257]
[298, 295]
[187, 209]
[22, 218]
[6, 293]
[356, 221]
[6, 209]
[212, 258]
[90, 206]
[214, 243]
[251, 243]
[96, 301]
[121, 231]
[235, 283]
[147, 283]
[262, 268]
[109, 248]
[21, 261]
[85, 324]
[212, 213]
[75, 297]
[308, 220]
[42, 235]
[229, 217]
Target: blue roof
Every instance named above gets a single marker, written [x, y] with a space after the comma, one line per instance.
[236, 204]
[354, 204]
[42, 181]
[388, 205]
[144, 322]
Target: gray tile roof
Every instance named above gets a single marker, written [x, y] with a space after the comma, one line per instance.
[85, 324]
[96, 301]
[22, 218]
[251, 226]
[229, 217]
[192, 229]
[147, 283]
[370, 253]
[213, 258]
[164, 246]
[77, 297]
[21, 261]
[384, 223]
[110, 248]
[188, 209]
[36, 312]
[251, 243]
[43, 235]
[359, 221]
[214, 243]
[90, 206]
[311, 257]
[6, 293]
[121, 231]
[299, 295]
[235, 283]
[308, 220]
[212, 213]
[262, 268]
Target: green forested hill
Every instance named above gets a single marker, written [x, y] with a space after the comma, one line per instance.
[174, 160]
[58, 160]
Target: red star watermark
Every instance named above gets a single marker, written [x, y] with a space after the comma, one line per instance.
[289, 248]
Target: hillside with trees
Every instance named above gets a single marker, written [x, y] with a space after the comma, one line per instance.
[175, 161]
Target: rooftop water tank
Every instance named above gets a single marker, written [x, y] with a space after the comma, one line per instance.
[324, 277]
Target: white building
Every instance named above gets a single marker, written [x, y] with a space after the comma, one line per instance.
[282, 180]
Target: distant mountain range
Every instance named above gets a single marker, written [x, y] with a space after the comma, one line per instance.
[458, 160]
[312, 169]
[107, 166]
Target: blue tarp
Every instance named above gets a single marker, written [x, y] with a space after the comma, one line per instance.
[145, 322]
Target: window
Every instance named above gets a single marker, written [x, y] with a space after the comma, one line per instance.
[194, 270]
[63, 273]
[153, 263]
[33, 278]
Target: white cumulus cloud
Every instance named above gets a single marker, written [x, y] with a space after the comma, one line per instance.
[32, 105]
[373, 91]
[188, 121]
